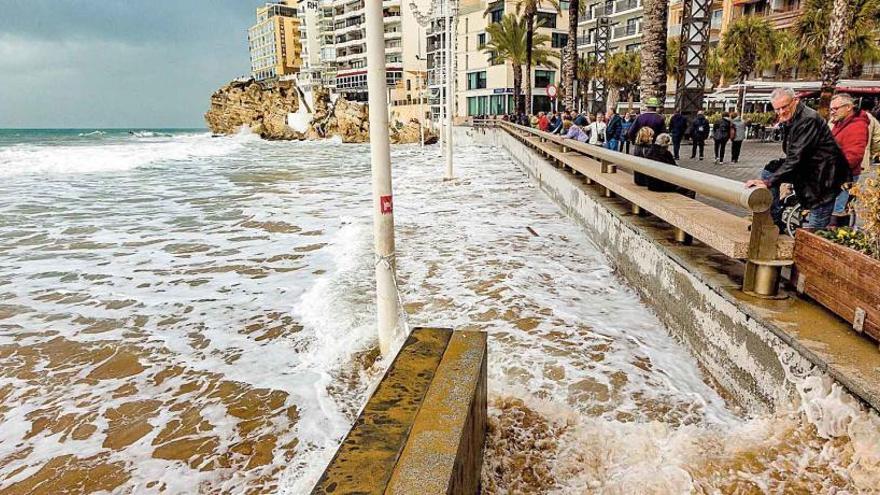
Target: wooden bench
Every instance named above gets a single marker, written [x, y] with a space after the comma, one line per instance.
[727, 233]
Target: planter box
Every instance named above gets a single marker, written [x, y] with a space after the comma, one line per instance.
[843, 280]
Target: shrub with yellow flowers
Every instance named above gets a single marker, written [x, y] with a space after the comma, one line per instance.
[867, 207]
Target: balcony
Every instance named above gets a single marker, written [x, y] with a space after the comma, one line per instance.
[626, 31]
[624, 5]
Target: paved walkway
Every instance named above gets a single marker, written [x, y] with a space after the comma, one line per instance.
[753, 157]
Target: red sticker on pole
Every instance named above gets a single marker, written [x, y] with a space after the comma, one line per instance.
[386, 205]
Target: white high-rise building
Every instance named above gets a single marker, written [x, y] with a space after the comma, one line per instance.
[318, 53]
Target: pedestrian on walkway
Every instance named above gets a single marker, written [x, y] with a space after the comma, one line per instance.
[813, 162]
[649, 118]
[699, 134]
[596, 130]
[613, 130]
[849, 126]
[721, 134]
[625, 126]
[738, 127]
[677, 128]
[543, 122]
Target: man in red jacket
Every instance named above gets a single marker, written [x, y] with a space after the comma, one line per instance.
[849, 126]
[543, 122]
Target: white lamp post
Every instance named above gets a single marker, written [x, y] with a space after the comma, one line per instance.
[387, 310]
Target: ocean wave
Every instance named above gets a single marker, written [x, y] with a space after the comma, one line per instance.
[114, 157]
[149, 134]
[92, 134]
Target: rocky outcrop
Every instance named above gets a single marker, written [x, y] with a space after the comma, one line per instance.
[249, 103]
[265, 110]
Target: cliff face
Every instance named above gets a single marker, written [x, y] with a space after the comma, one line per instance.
[265, 111]
[249, 103]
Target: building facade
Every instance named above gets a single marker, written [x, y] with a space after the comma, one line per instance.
[274, 41]
[318, 54]
[484, 83]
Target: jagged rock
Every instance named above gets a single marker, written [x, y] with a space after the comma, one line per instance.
[265, 110]
[252, 104]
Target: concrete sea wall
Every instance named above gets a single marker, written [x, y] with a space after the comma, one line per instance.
[744, 344]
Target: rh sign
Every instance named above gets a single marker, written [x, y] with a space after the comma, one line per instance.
[386, 205]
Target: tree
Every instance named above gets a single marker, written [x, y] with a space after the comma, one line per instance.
[717, 67]
[653, 75]
[586, 70]
[569, 65]
[673, 49]
[507, 41]
[621, 73]
[832, 56]
[862, 34]
[751, 42]
[529, 10]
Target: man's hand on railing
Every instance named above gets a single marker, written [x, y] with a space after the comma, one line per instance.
[755, 183]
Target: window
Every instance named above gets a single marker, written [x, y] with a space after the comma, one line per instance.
[481, 40]
[494, 59]
[544, 78]
[476, 80]
[496, 13]
[545, 19]
[559, 40]
[477, 105]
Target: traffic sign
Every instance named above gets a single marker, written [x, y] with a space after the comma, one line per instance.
[552, 90]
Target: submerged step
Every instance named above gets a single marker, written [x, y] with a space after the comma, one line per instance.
[424, 426]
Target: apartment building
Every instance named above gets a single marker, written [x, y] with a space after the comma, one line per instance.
[318, 54]
[484, 82]
[626, 26]
[781, 13]
[274, 41]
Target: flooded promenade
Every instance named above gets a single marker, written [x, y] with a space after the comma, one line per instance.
[181, 314]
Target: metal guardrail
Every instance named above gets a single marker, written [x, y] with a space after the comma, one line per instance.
[763, 267]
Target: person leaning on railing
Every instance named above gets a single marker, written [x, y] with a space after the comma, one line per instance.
[813, 162]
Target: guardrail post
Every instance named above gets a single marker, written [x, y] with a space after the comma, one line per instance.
[683, 237]
[761, 277]
[608, 168]
[635, 209]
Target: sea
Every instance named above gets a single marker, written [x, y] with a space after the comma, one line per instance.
[182, 313]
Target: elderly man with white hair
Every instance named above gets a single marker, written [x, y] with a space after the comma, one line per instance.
[813, 163]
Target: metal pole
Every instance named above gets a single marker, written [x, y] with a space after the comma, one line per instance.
[387, 310]
[450, 86]
[441, 114]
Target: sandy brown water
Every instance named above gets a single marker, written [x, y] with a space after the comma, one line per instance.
[205, 325]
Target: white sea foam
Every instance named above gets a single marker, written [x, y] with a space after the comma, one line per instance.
[275, 237]
[113, 157]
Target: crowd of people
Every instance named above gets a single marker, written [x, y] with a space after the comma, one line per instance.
[822, 158]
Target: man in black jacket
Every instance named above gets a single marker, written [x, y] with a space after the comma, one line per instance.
[677, 127]
[699, 134]
[813, 162]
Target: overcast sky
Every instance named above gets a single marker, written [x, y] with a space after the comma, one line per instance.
[118, 63]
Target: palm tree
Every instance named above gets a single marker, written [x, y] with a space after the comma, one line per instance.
[529, 10]
[832, 57]
[812, 30]
[788, 54]
[718, 68]
[751, 42]
[653, 76]
[673, 49]
[621, 74]
[569, 65]
[507, 41]
[586, 69]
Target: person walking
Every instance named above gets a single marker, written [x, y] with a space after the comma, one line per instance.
[849, 126]
[677, 128]
[649, 118]
[738, 130]
[699, 134]
[625, 126]
[813, 162]
[613, 130]
[597, 130]
[721, 134]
